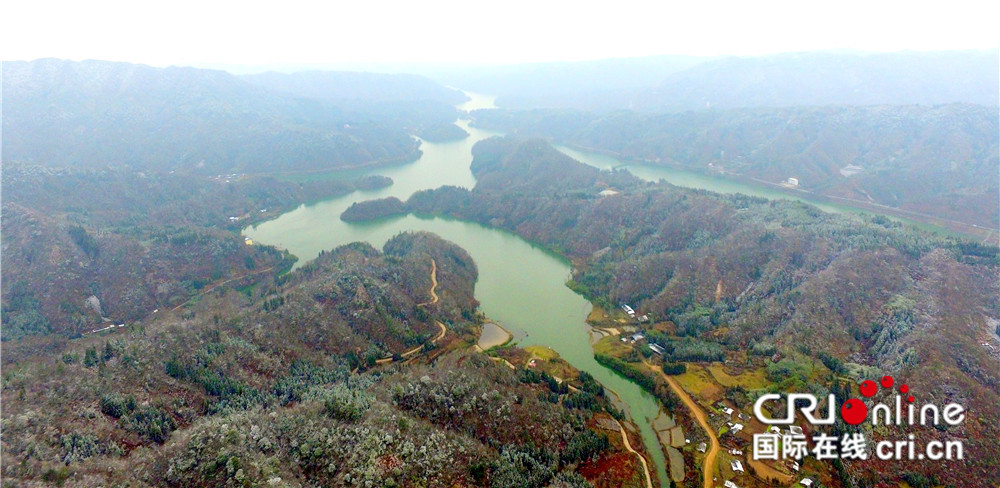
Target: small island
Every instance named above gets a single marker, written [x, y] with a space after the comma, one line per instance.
[373, 182]
[373, 209]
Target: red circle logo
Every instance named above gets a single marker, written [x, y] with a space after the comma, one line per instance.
[854, 411]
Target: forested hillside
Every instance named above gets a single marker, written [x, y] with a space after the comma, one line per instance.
[414, 103]
[279, 386]
[80, 246]
[96, 114]
[936, 160]
[752, 281]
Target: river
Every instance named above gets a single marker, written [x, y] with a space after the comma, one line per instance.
[722, 184]
[521, 286]
[688, 179]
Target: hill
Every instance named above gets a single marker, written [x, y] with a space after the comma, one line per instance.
[95, 114]
[81, 245]
[283, 386]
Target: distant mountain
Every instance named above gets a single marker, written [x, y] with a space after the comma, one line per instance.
[564, 83]
[346, 85]
[939, 160]
[671, 84]
[98, 113]
[820, 78]
[414, 103]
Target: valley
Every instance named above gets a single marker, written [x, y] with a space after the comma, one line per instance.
[328, 278]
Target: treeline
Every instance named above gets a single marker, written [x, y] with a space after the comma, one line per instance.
[648, 381]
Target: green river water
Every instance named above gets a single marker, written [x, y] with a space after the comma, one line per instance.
[520, 285]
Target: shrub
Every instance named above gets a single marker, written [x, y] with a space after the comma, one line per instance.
[674, 368]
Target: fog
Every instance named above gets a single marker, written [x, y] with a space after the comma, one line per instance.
[355, 34]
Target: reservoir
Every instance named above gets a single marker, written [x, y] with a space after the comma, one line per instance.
[520, 286]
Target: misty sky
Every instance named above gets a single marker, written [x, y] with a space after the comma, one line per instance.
[446, 31]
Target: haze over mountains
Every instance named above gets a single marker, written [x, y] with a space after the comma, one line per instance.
[97, 114]
[676, 83]
[341, 86]
[912, 130]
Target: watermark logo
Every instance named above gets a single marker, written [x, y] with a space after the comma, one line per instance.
[901, 411]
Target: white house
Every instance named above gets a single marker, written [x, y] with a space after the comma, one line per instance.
[806, 482]
[736, 465]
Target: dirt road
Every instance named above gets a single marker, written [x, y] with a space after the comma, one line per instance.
[628, 446]
[212, 288]
[434, 285]
[711, 457]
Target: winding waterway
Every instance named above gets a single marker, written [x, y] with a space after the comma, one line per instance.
[721, 184]
[520, 285]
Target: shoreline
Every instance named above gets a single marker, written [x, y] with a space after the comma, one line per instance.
[493, 341]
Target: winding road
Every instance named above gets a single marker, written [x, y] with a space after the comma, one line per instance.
[213, 287]
[711, 457]
[628, 446]
[434, 285]
[442, 329]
